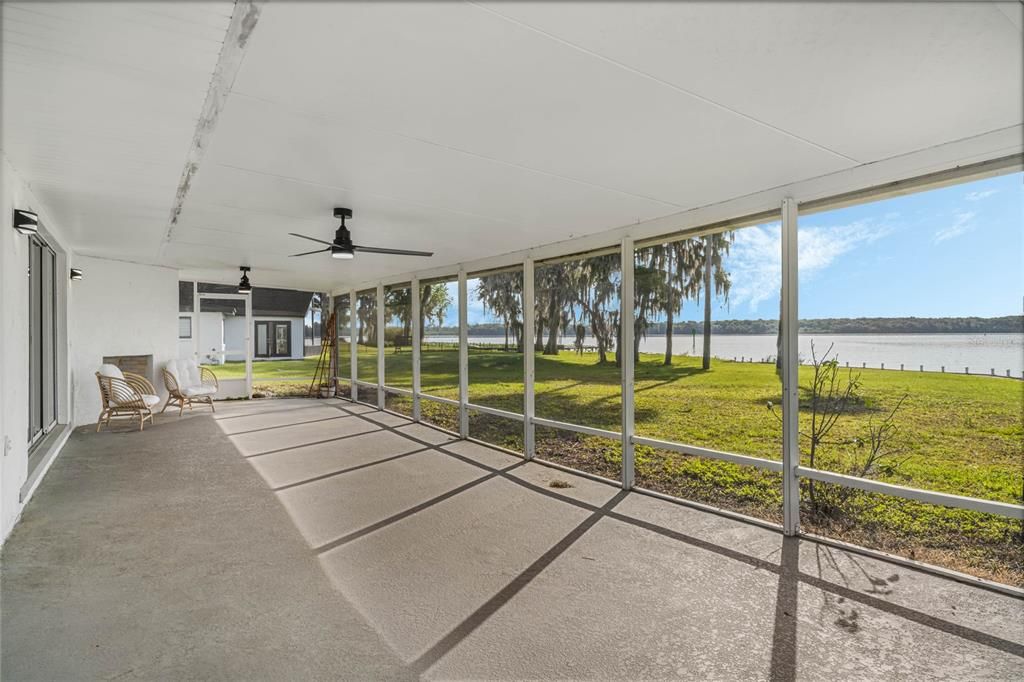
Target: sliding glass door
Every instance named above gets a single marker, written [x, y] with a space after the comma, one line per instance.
[42, 389]
[273, 339]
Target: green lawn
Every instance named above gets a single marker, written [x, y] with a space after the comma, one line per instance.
[268, 369]
[957, 434]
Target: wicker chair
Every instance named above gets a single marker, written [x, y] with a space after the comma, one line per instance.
[188, 383]
[125, 395]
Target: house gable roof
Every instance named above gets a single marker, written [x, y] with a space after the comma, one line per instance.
[266, 301]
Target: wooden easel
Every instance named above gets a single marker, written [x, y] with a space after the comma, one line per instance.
[324, 376]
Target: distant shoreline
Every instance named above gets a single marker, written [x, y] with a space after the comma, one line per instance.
[677, 333]
[1010, 324]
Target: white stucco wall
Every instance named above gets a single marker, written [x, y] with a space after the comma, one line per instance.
[120, 308]
[14, 316]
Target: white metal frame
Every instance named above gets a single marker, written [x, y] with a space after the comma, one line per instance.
[248, 328]
[790, 372]
[463, 356]
[384, 387]
[414, 293]
[418, 395]
[625, 352]
[353, 360]
[381, 322]
[529, 361]
[789, 466]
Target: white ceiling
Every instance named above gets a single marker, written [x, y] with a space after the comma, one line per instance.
[471, 129]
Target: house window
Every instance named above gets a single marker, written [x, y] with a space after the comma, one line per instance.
[274, 339]
[184, 327]
[42, 337]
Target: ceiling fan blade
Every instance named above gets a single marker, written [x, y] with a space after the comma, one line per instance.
[312, 239]
[307, 253]
[393, 252]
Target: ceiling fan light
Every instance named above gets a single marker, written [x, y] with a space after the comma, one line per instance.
[338, 252]
[243, 284]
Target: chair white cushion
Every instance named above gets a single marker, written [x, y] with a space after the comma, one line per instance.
[195, 375]
[188, 374]
[150, 400]
[111, 371]
[185, 372]
[172, 369]
[193, 391]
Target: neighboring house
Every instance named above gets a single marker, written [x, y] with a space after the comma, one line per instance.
[219, 326]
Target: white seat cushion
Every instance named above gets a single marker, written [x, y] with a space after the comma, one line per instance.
[111, 371]
[193, 391]
[150, 400]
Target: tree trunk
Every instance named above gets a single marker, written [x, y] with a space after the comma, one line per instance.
[553, 324]
[669, 322]
[424, 294]
[538, 343]
[506, 336]
[636, 344]
[706, 363]
[618, 344]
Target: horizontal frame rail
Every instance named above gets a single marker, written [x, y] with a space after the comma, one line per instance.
[770, 465]
[1013, 511]
[586, 430]
[398, 391]
[495, 412]
[439, 399]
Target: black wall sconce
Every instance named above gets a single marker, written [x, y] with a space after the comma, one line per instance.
[26, 222]
[76, 274]
[243, 285]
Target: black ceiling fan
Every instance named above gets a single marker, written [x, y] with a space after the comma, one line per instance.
[342, 246]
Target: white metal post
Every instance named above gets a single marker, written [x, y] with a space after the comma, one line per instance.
[414, 295]
[625, 351]
[463, 357]
[353, 346]
[336, 352]
[790, 372]
[529, 372]
[248, 346]
[195, 320]
[380, 346]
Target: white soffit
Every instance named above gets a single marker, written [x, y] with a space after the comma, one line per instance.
[100, 102]
[472, 129]
[869, 80]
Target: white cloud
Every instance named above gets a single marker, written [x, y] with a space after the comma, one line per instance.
[755, 265]
[755, 261]
[963, 224]
[820, 246]
[978, 196]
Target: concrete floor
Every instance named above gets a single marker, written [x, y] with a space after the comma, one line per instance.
[298, 539]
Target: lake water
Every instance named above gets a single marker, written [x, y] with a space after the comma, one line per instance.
[980, 352]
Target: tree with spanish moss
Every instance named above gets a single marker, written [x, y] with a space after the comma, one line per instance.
[715, 248]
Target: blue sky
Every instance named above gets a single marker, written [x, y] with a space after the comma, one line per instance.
[955, 251]
[950, 252]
